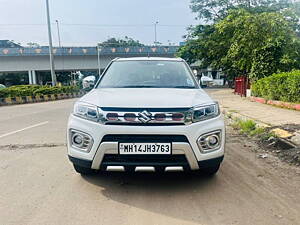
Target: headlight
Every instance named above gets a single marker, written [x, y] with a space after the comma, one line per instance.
[206, 112]
[86, 111]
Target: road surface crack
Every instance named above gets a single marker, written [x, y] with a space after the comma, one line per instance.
[30, 146]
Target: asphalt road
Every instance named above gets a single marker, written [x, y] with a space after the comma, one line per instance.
[38, 184]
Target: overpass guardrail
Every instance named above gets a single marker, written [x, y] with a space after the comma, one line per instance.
[79, 51]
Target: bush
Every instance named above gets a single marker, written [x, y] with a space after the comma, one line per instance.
[32, 90]
[283, 87]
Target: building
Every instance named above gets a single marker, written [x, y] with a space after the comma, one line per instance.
[217, 76]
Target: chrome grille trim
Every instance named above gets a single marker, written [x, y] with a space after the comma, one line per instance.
[146, 116]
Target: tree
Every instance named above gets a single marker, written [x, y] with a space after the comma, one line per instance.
[196, 48]
[244, 43]
[190, 51]
[260, 44]
[216, 10]
[9, 79]
[126, 42]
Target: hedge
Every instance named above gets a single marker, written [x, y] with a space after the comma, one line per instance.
[282, 87]
[33, 90]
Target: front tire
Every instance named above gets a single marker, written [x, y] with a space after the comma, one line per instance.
[84, 170]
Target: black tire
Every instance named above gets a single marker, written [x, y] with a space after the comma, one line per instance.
[211, 171]
[84, 170]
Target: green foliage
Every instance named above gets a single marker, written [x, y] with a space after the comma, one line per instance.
[283, 87]
[32, 90]
[126, 42]
[248, 127]
[216, 10]
[9, 79]
[258, 131]
[259, 43]
[190, 51]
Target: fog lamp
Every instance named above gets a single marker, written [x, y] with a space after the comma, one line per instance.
[78, 139]
[81, 141]
[210, 141]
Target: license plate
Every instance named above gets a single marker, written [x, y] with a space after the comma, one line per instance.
[145, 148]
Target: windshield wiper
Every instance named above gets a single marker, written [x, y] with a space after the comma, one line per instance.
[149, 86]
[138, 86]
[187, 87]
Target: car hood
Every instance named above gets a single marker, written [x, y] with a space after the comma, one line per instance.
[146, 97]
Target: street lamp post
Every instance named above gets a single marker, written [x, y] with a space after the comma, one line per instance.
[99, 48]
[60, 45]
[155, 32]
[53, 75]
[58, 33]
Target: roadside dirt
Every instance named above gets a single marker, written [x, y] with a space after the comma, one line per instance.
[274, 146]
[289, 127]
[282, 149]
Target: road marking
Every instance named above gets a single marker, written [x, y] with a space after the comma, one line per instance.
[23, 129]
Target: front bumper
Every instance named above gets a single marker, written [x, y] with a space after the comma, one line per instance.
[104, 150]
[158, 167]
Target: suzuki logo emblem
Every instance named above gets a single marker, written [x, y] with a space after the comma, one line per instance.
[145, 116]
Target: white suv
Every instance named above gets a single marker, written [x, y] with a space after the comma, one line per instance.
[146, 115]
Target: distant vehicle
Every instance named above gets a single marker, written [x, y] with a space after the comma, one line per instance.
[88, 82]
[2, 86]
[206, 81]
[146, 115]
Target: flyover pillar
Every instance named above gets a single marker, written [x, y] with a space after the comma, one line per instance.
[33, 74]
[32, 77]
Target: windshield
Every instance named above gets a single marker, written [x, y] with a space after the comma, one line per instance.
[147, 74]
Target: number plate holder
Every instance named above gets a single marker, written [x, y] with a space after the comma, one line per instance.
[145, 148]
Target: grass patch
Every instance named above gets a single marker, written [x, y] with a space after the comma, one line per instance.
[248, 127]
[267, 135]
[258, 131]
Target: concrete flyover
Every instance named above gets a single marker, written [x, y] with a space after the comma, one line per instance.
[72, 58]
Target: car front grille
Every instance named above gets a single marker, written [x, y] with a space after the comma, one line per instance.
[144, 138]
[146, 124]
[146, 117]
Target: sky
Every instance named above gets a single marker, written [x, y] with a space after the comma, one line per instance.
[87, 22]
